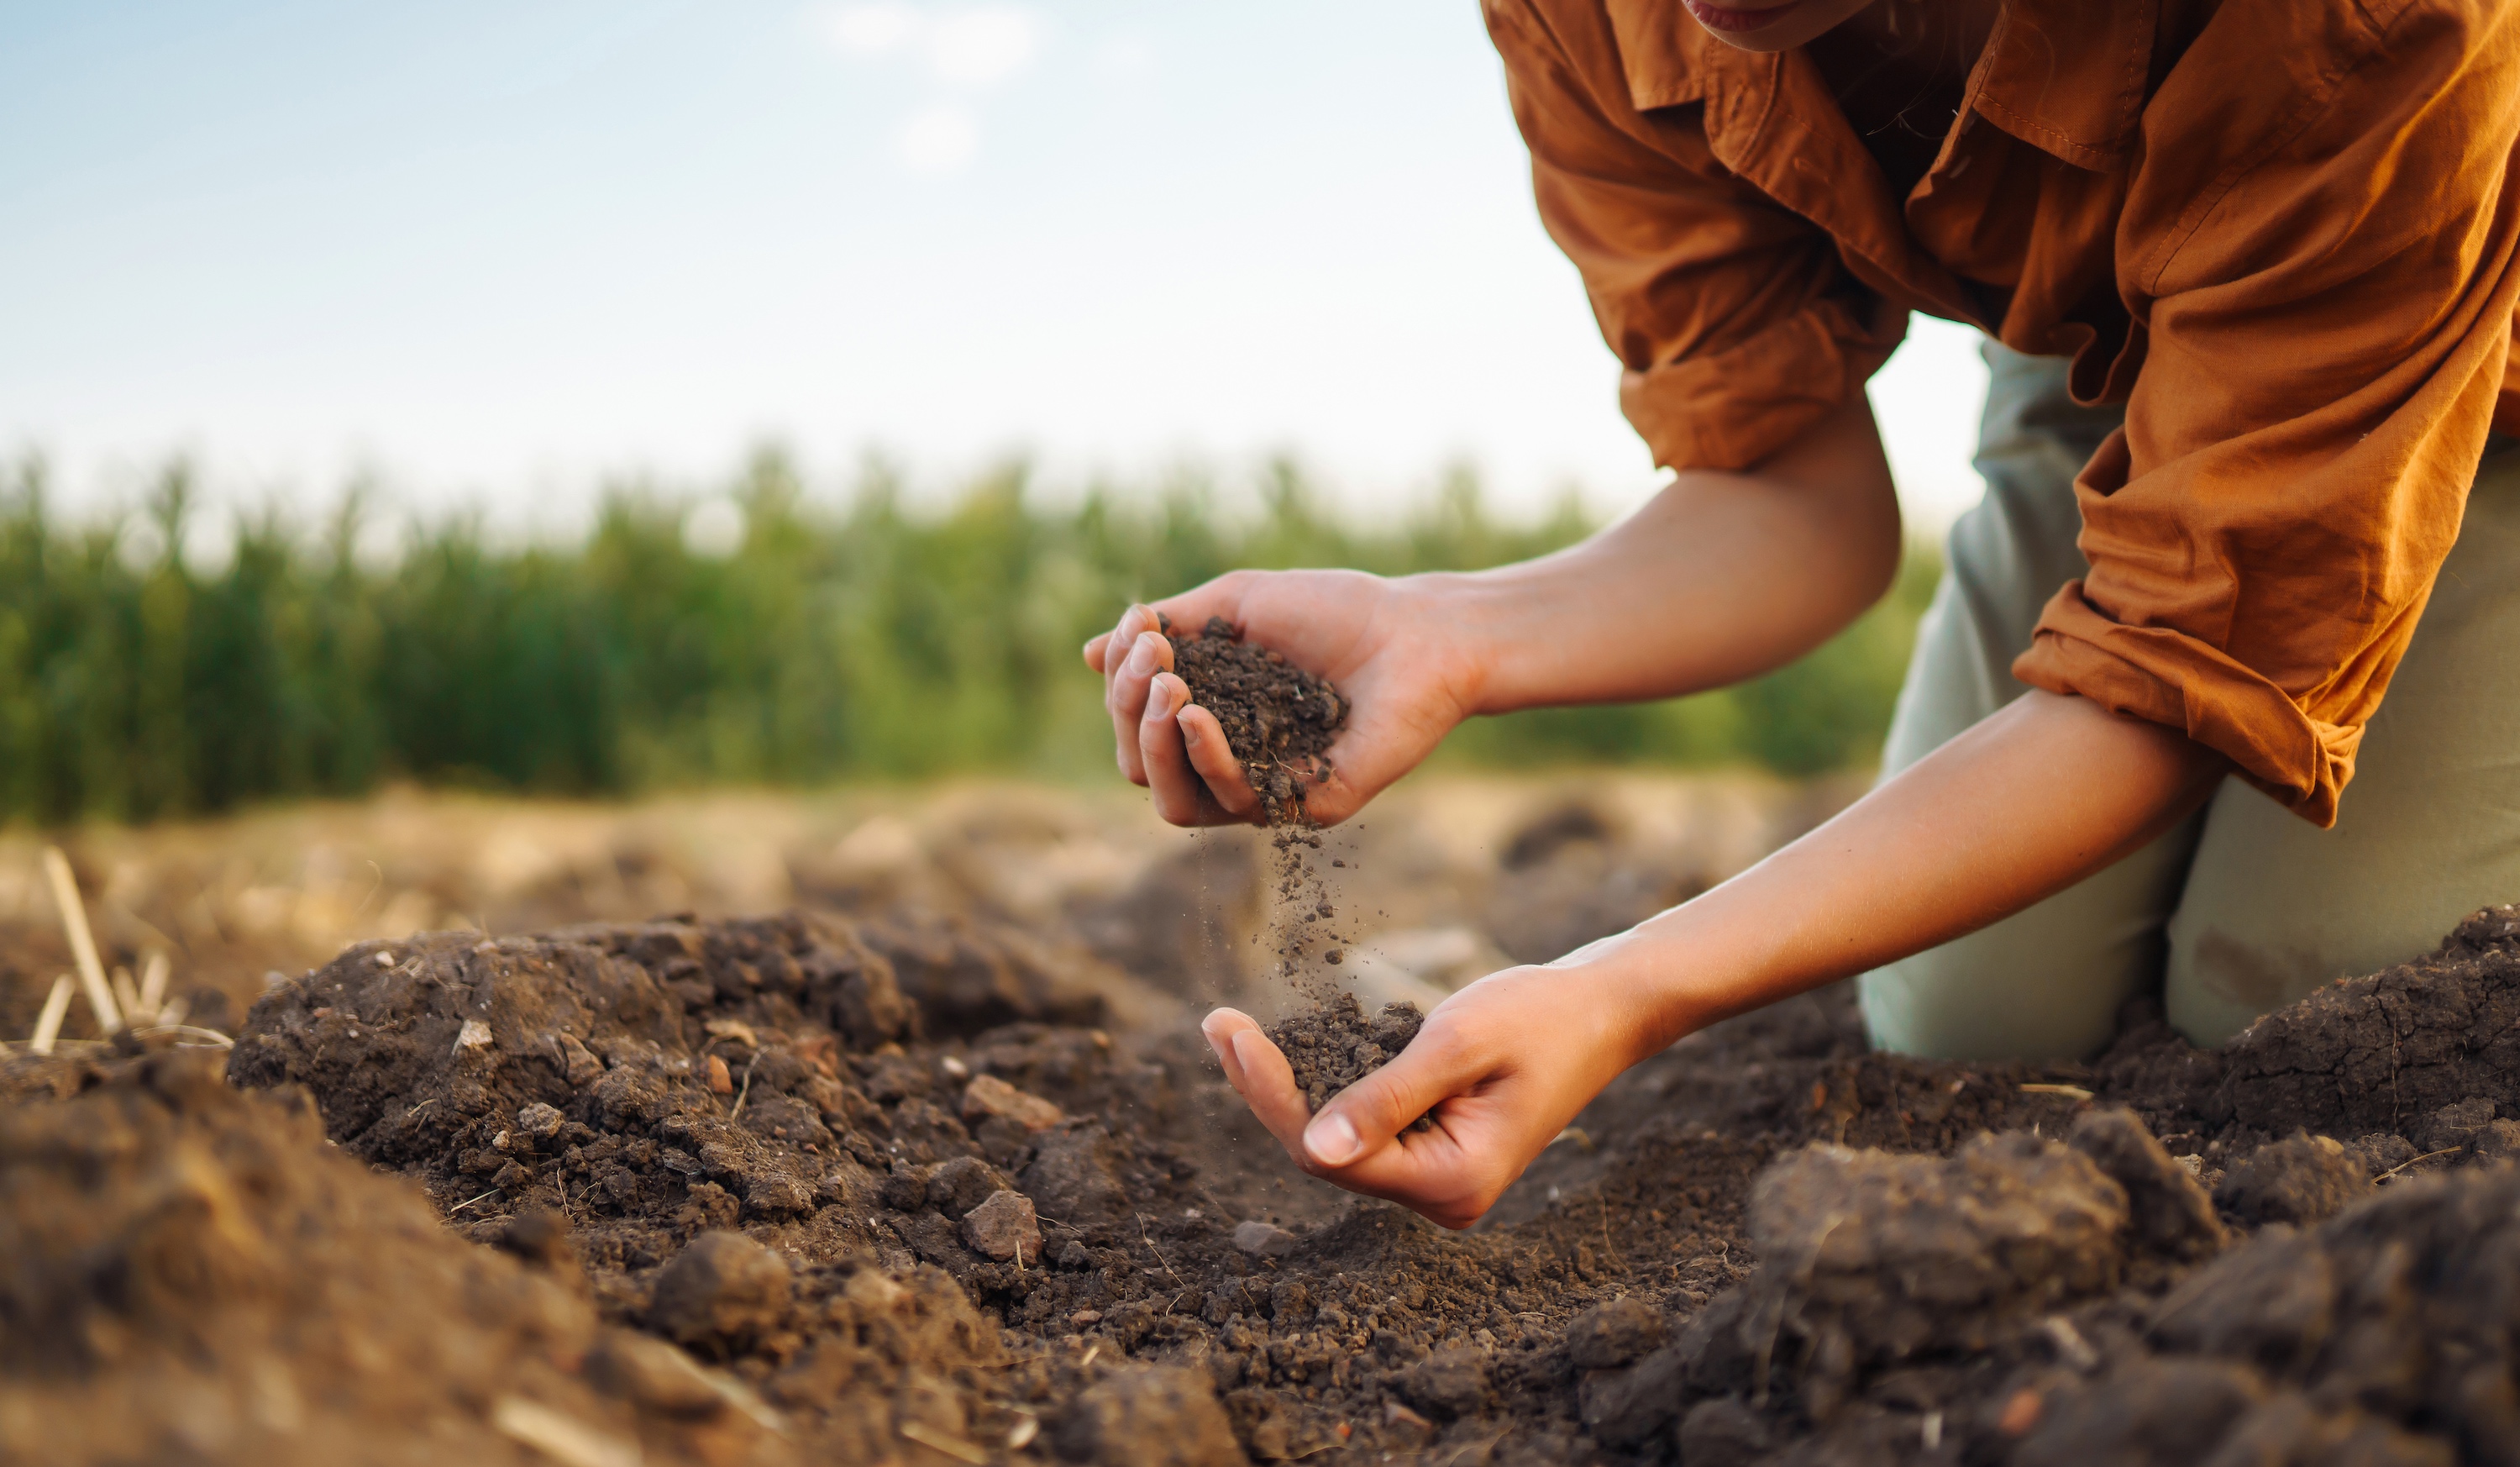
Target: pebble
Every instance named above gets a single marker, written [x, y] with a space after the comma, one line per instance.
[987, 1096]
[1005, 1227]
[1264, 1240]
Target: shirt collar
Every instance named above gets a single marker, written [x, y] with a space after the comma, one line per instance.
[2066, 77]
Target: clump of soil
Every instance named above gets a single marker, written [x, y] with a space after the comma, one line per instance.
[1278, 719]
[1334, 1045]
[192, 1276]
[881, 1183]
[2383, 1335]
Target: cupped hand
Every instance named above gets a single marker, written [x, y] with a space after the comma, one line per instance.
[1397, 651]
[1501, 1068]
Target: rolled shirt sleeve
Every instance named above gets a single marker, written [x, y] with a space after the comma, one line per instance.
[2324, 291]
[1735, 320]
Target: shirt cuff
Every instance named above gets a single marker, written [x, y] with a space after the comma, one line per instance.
[1734, 408]
[2171, 678]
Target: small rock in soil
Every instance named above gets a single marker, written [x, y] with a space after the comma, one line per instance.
[1004, 1227]
[987, 1096]
[721, 1291]
[1263, 1240]
[1148, 1416]
[961, 1183]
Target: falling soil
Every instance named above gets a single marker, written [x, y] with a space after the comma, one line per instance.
[890, 1188]
[1278, 719]
[1332, 1047]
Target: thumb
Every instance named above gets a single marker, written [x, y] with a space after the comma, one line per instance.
[1365, 1115]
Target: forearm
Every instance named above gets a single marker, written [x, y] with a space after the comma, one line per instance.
[2026, 804]
[1718, 579]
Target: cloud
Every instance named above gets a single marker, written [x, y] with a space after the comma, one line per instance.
[969, 48]
[938, 140]
[869, 30]
[980, 48]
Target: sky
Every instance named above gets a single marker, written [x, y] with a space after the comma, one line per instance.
[492, 254]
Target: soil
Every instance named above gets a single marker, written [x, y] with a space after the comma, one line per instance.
[891, 1187]
[1333, 1045]
[1278, 719]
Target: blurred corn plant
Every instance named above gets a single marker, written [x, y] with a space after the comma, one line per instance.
[761, 635]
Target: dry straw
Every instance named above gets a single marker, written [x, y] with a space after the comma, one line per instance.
[65, 896]
[48, 1024]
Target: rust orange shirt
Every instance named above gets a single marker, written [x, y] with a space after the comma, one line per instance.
[2281, 232]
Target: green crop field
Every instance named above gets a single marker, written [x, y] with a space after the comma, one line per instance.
[844, 637]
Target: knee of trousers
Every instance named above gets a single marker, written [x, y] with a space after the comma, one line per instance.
[1986, 997]
[2048, 983]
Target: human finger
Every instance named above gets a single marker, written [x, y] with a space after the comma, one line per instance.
[1219, 1029]
[1119, 639]
[1213, 759]
[1094, 650]
[1127, 698]
[1181, 799]
[1269, 1089]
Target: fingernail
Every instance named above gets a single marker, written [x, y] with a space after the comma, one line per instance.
[1142, 657]
[1332, 1140]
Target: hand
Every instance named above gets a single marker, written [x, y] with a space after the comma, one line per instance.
[1501, 1066]
[1395, 648]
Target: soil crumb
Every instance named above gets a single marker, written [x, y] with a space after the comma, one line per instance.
[1278, 719]
[1333, 1046]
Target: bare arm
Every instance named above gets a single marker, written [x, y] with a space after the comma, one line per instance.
[2029, 801]
[1720, 578]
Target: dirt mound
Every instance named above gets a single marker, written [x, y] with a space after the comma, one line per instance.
[898, 1188]
[666, 1087]
[2373, 1054]
[1278, 719]
[2383, 1335]
[191, 1276]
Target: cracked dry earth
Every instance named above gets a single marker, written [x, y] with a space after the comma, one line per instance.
[897, 1188]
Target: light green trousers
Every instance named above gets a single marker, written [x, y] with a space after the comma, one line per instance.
[2244, 907]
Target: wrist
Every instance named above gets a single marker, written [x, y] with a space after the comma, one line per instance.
[1477, 616]
[1459, 610]
[1663, 980]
